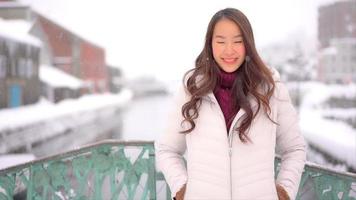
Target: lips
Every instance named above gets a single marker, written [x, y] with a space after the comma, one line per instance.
[229, 60]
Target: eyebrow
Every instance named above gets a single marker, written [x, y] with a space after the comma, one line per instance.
[222, 37]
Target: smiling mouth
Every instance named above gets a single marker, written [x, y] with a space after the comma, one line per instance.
[229, 60]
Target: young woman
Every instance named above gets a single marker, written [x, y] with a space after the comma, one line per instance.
[230, 116]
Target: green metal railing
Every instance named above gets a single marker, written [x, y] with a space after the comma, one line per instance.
[106, 170]
[126, 170]
[322, 183]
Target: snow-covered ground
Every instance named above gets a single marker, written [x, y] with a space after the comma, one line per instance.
[316, 93]
[44, 110]
[334, 137]
[16, 124]
[340, 113]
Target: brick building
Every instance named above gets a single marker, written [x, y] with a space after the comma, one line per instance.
[72, 54]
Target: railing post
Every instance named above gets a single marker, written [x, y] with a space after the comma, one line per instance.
[152, 173]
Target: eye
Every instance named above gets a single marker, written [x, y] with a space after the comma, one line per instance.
[220, 42]
[238, 42]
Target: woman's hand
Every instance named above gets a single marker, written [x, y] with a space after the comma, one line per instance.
[180, 193]
[282, 194]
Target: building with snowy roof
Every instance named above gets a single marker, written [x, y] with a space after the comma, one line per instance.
[58, 85]
[72, 54]
[19, 62]
[63, 48]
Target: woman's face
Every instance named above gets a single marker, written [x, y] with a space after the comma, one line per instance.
[228, 45]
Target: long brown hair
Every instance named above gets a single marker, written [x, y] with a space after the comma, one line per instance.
[251, 75]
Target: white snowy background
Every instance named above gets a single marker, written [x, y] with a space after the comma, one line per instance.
[162, 39]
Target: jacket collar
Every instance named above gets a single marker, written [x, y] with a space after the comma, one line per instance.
[211, 98]
[253, 102]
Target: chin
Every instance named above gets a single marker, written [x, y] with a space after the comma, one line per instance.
[230, 70]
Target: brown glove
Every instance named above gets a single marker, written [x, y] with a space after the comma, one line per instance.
[282, 194]
[180, 193]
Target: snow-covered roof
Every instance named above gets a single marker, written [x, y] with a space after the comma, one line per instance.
[57, 78]
[346, 40]
[18, 30]
[11, 4]
[329, 51]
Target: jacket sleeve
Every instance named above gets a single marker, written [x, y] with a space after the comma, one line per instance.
[290, 143]
[171, 146]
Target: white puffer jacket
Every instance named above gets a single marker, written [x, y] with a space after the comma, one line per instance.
[221, 166]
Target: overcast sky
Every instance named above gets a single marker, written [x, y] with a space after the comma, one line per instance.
[163, 38]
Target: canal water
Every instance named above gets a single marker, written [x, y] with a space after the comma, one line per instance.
[145, 118]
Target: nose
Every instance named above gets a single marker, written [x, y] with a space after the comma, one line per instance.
[229, 49]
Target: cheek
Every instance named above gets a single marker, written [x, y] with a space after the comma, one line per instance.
[216, 50]
[241, 49]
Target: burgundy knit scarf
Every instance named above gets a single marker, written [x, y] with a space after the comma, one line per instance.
[222, 93]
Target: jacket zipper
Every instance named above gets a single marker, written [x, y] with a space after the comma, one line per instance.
[230, 155]
[230, 139]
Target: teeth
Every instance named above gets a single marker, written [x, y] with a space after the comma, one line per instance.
[229, 59]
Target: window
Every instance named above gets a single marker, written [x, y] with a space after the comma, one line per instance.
[353, 59]
[29, 68]
[333, 59]
[21, 67]
[25, 67]
[3, 66]
[13, 67]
